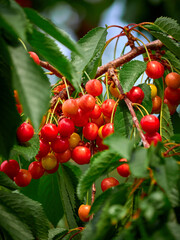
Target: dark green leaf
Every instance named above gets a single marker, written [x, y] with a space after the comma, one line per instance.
[176, 138]
[28, 80]
[173, 60]
[175, 118]
[174, 228]
[56, 233]
[52, 30]
[5, 181]
[130, 72]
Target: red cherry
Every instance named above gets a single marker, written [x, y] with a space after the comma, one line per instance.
[173, 80]
[150, 123]
[172, 107]
[107, 129]
[23, 178]
[94, 87]
[25, 132]
[70, 107]
[108, 183]
[44, 148]
[153, 138]
[60, 144]
[107, 107]
[96, 112]
[49, 132]
[172, 95]
[90, 131]
[123, 169]
[154, 69]
[99, 121]
[156, 104]
[81, 155]
[136, 95]
[35, 57]
[83, 212]
[81, 118]
[64, 156]
[87, 103]
[66, 127]
[36, 170]
[54, 169]
[10, 168]
[99, 143]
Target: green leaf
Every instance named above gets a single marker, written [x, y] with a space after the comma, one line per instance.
[5, 181]
[13, 19]
[92, 46]
[28, 80]
[169, 26]
[171, 44]
[29, 149]
[176, 138]
[101, 163]
[130, 72]
[56, 233]
[173, 60]
[52, 30]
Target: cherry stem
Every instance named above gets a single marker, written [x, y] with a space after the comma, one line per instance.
[137, 183]
[141, 34]
[139, 110]
[145, 49]
[112, 114]
[87, 75]
[115, 48]
[23, 44]
[52, 114]
[48, 115]
[64, 80]
[129, 105]
[93, 185]
[165, 154]
[169, 63]
[81, 90]
[138, 104]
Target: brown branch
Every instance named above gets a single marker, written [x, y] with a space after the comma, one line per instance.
[128, 56]
[49, 67]
[129, 105]
[170, 149]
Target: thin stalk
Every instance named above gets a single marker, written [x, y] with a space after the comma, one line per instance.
[64, 79]
[23, 44]
[52, 114]
[87, 75]
[145, 49]
[137, 104]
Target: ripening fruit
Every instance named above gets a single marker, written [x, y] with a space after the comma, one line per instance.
[136, 95]
[83, 212]
[49, 162]
[74, 140]
[156, 104]
[90, 131]
[150, 123]
[54, 169]
[154, 69]
[66, 127]
[123, 169]
[70, 107]
[87, 103]
[23, 178]
[96, 112]
[10, 168]
[153, 138]
[114, 91]
[107, 129]
[36, 170]
[107, 107]
[49, 132]
[108, 183]
[94, 87]
[35, 57]
[81, 155]
[153, 90]
[25, 132]
[172, 95]
[173, 80]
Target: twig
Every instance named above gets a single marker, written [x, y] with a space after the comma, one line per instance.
[93, 185]
[129, 105]
[165, 154]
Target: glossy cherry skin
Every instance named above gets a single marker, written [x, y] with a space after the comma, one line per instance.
[100, 144]
[150, 123]
[173, 80]
[83, 212]
[94, 87]
[60, 144]
[54, 169]
[36, 170]
[90, 131]
[154, 69]
[96, 112]
[66, 127]
[107, 129]
[35, 57]
[49, 162]
[108, 183]
[81, 118]
[64, 156]
[10, 168]
[114, 91]
[172, 95]
[136, 95]
[25, 132]
[81, 155]
[153, 138]
[107, 107]
[23, 178]
[49, 132]
[123, 169]
[99, 121]
[44, 148]
[87, 103]
[70, 107]
[153, 90]
[156, 104]
[74, 140]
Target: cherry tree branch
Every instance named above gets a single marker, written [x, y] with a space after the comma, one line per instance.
[129, 105]
[49, 67]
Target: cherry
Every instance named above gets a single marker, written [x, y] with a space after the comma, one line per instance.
[100, 132]
[60, 144]
[10, 168]
[74, 140]
[156, 104]
[172, 95]
[36, 170]
[35, 57]
[153, 138]
[114, 91]
[25, 132]
[173, 80]
[83, 212]
[44, 148]
[64, 156]
[66, 127]
[99, 121]
[81, 118]
[96, 112]
[23, 178]
[153, 90]
[70, 107]
[107, 129]
[108, 183]
[94, 87]
[54, 169]
[136, 95]
[172, 107]
[154, 69]
[90, 131]
[100, 144]
[49, 162]
[49, 132]
[107, 107]
[123, 169]
[81, 155]
[87, 103]
[150, 123]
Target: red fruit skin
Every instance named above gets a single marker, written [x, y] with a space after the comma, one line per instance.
[10, 168]
[36, 170]
[156, 104]
[35, 57]
[70, 107]
[96, 112]
[90, 131]
[153, 138]
[173, 80]
[64, 156]
[25, 132]
[49, 132]
[123, 169]
[23, 178]
[108, 183]
[107, 129]
[81, 155]
[83, 212]
[172, 107]
[94, 87]
[136, 95]
[81, 118]
[87, 103]
[60, 144]
[66, 127]
[172, 95]
[150, 123]
[107, 107]
[154, 69]
[44, 148]
[54, 169]
[99, 142]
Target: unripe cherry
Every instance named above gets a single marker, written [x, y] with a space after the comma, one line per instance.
[108, 183]
[74, 139]
[153, 90]
[25, 132]
[94, 87]
[53, 170]
[49, 162]
[83, 212]
[154, 69]
[150, 123]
